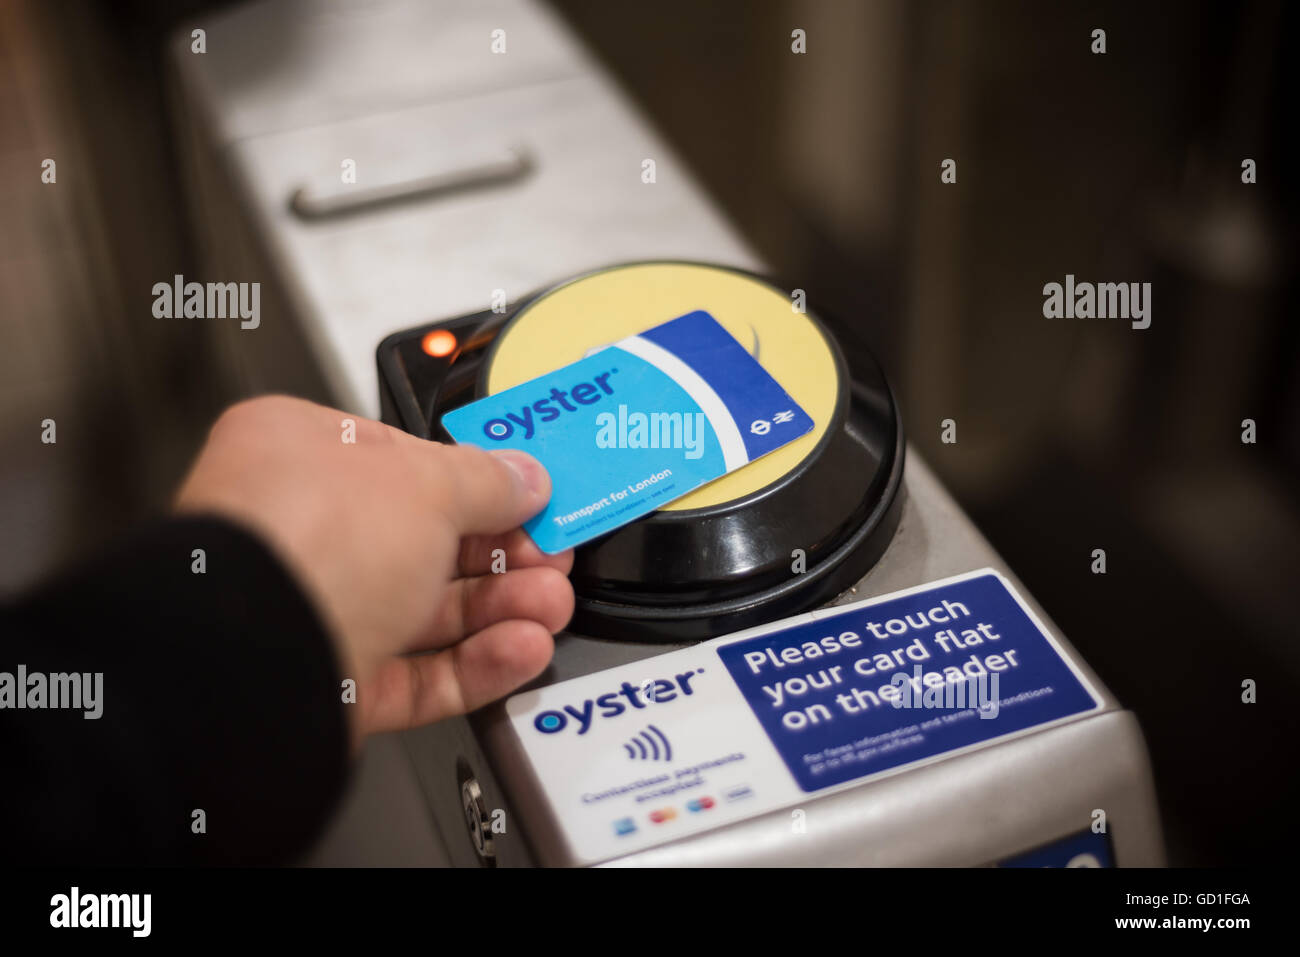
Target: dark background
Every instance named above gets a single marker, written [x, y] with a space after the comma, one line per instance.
[1072, 435]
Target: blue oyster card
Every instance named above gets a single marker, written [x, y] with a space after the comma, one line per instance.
[635, 425]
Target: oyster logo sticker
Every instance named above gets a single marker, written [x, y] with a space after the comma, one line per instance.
[748, 724]
[614, 703]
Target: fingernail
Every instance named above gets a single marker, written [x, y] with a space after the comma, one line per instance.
[530, 471]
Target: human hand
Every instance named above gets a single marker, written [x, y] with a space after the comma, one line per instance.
[393, 539]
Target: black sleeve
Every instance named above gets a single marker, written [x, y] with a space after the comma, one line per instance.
[220, 694]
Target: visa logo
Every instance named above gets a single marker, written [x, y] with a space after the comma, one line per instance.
[614, 703]
[584, 393]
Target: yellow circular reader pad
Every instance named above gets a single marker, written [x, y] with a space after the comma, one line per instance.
[561, 326]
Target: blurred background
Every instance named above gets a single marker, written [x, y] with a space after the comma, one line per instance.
[1072, 435]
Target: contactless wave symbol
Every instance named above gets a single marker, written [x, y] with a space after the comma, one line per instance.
[649, 745]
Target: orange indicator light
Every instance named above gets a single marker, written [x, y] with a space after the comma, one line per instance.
[439, 343]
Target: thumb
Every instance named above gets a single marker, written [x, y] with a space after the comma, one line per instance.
[491, 492]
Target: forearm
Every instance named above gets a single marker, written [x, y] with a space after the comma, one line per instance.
[220, 735]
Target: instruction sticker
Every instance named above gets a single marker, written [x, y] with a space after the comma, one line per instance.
[749, 723]
[636, 425]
